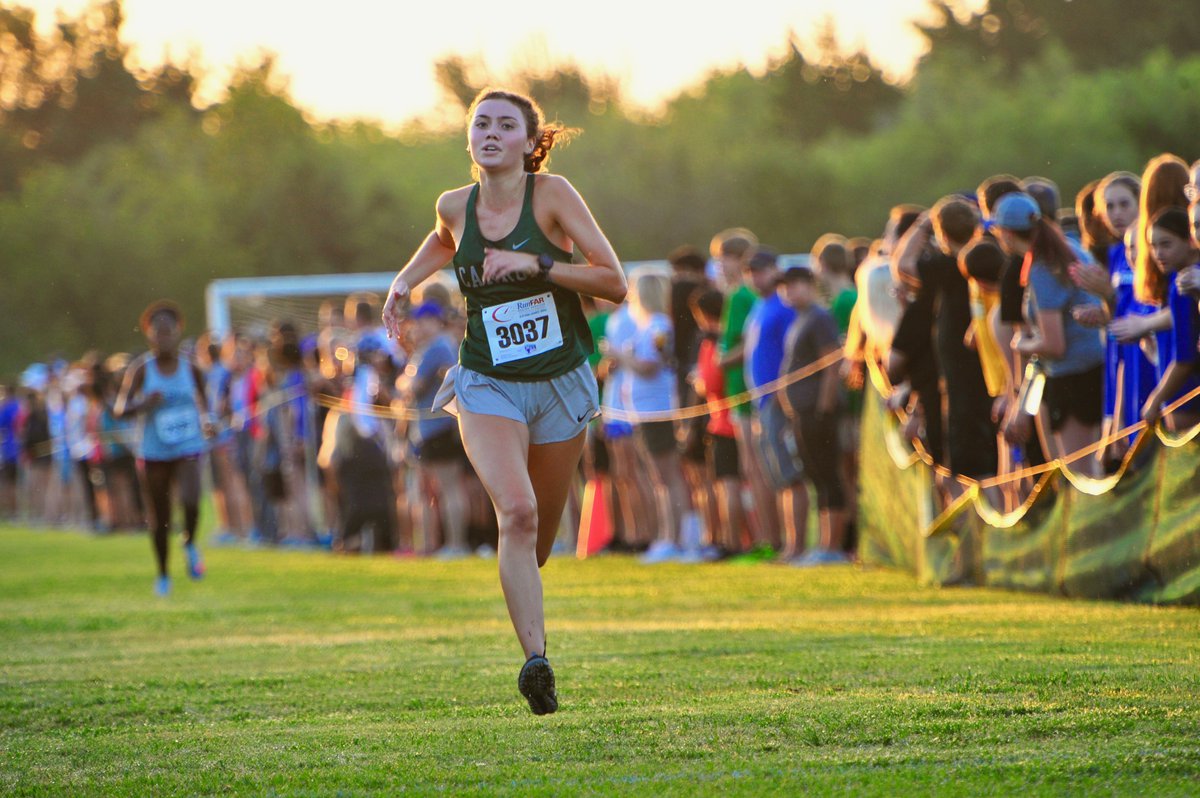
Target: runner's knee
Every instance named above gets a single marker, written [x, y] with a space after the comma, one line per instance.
[518, 516]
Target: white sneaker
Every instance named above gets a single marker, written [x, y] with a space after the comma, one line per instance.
[660, 551]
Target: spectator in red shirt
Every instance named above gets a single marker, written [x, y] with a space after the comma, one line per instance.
[708, 380]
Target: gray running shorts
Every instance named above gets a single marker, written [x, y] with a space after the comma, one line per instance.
[555, 410]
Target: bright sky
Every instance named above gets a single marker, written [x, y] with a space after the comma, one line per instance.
[374, 59]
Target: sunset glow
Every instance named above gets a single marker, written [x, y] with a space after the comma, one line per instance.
[374, 60]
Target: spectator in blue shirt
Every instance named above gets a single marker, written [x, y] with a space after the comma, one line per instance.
[763, 340]
[1070, 354]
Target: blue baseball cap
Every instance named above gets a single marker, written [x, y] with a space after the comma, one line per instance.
[428, 310]
[370, 343]
[1016, 211]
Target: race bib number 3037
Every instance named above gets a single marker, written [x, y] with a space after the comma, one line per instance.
[522, 328]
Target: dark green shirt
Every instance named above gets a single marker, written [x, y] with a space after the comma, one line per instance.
[512, 342]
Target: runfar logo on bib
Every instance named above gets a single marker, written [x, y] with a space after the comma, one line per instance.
[503, 313]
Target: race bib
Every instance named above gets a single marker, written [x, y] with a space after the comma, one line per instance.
[177, 424]
[522, 328]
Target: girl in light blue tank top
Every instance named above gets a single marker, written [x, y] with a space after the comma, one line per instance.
[173, 433]
[172, 429]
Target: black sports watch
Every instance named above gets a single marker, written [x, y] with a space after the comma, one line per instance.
[545, 263]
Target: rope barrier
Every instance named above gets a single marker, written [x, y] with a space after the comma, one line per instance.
[376, 411]
[612, 413]
[885, 389]
[878, 378]
[729, 402]
[129, 437]
[974, 494]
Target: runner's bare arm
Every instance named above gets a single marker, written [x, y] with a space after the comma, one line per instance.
[125, 405]
[602, 275]
[435, 252]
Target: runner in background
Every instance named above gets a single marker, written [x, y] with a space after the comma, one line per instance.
[166, 392]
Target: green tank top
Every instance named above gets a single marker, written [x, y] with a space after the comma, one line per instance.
[525, 329]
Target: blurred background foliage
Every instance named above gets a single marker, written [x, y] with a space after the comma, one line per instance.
[115, 188]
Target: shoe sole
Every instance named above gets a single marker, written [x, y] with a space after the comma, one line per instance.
[536, 683]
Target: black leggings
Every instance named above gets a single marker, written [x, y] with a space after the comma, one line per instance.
[89, 489]
[821, 452]
[157, 476]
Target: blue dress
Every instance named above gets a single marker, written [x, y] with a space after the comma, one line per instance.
[1181, 341]
[1141, 376]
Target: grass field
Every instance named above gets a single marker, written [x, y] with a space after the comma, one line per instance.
[295, 673]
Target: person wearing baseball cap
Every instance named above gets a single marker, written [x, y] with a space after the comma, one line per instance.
[813, 405]
[434, 439]
[1016, 212]
[1070, 354]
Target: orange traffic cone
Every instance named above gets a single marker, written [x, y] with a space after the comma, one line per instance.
[595, 527]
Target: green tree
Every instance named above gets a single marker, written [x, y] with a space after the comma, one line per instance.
[1098, 34]
[835, 91]
[62, 95]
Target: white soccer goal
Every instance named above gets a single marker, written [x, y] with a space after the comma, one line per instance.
[250, 304]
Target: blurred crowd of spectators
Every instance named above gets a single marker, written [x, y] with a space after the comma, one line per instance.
[1018, 332]
[1007, 330]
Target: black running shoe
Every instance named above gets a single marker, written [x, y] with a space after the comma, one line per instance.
[536, 683]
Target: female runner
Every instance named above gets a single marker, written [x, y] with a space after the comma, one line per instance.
[522, 391]
[167, 392]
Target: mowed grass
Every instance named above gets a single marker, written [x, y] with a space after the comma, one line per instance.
[295, 673]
